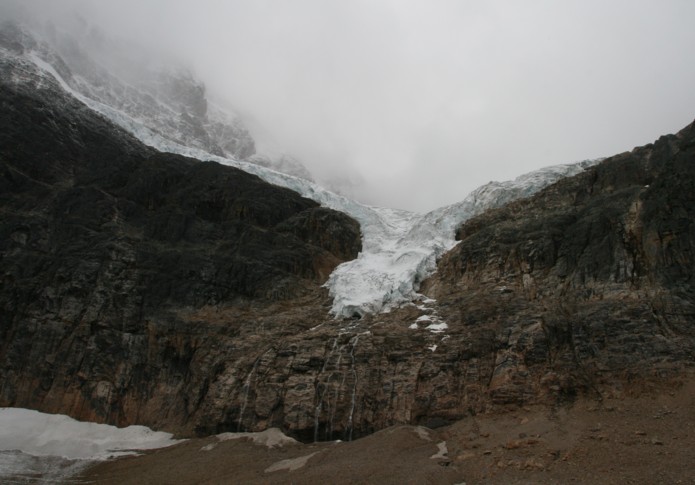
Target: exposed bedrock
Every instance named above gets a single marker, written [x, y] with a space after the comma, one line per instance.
[104, 243]
[585, 289]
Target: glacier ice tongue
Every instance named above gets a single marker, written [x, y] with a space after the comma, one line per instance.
[400, 248]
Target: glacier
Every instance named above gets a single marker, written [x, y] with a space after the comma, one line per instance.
[400, 248]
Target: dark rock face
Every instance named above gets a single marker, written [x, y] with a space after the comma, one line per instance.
[583, 289]
[586, 285]
[104, 242]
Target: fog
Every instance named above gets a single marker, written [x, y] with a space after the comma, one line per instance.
[422, 101]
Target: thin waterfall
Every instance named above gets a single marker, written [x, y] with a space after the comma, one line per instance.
[247, 386]
[356, 339]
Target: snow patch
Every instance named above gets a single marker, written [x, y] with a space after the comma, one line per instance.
[57, 447]
[437, 327]
[40, 434]
[442, 451]
[270, 438]
[435, 324]
[422, 432]
[290, 464]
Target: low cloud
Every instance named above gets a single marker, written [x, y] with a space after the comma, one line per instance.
[422, 101]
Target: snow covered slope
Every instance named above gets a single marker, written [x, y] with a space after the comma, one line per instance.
[400, 248]
[161, 95]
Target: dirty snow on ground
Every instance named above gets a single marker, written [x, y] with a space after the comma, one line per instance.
[270, 438]
[422, 432]
[290, 464]
[442, 451]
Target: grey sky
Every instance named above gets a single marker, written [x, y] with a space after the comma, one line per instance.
[427, 100]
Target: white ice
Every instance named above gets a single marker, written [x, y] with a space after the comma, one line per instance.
[41, 434]
[400, 248]
[56, 446]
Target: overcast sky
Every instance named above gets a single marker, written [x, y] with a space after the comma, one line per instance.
[426, 100]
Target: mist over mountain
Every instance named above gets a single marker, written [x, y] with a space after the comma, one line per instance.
[424, 102]
[168, 260]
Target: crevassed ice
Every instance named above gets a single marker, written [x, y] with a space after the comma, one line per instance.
[400, 248]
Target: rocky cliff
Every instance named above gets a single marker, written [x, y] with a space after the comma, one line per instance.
[582, 290]
[105, 243]
[586, 286]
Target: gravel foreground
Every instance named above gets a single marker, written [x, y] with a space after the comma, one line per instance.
[646, 435]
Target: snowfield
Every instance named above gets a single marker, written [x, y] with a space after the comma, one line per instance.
[52, 448]
[56, 447]
[400, 248]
